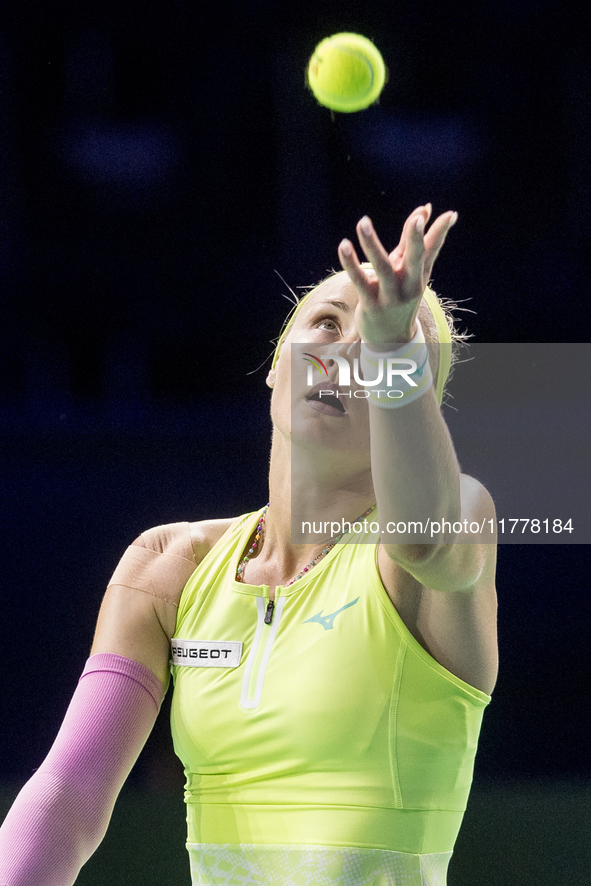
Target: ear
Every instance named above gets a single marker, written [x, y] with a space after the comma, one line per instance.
[271, 378]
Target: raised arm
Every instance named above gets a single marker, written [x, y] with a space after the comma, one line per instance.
[442, 586]
[415, 470]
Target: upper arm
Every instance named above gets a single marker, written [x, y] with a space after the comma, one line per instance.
[451, 608]
[458, 566]
[139, 606]
[137, 617]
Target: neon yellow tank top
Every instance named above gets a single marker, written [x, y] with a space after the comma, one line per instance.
[329, 738]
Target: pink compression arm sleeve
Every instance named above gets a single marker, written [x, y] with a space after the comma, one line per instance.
[61, 814]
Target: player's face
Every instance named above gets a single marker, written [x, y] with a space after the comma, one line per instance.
[322, 414]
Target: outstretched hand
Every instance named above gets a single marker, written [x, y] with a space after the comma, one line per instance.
[389, 298]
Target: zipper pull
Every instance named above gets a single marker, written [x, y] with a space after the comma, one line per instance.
[269, 612]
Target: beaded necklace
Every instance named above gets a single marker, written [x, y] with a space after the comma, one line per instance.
[312, 563]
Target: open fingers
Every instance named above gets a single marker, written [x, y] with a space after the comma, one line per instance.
[414, 255]
[350, 263]
[417, 253]
[375, 252]
[409, 266]
[399, 252]
[378, 258]
[435, 238]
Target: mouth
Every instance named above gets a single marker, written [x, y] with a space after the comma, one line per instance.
[326, 402]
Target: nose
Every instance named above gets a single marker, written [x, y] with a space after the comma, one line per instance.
[348, 348]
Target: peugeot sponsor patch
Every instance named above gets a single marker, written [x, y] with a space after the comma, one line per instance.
[206, 653]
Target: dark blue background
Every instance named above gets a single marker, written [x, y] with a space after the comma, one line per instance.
[157, 167]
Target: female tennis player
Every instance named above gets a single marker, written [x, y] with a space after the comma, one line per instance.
[328, 695]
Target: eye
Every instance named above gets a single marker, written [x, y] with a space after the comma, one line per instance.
[331, 324]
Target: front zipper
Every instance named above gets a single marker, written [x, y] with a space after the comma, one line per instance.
[269, 612]
[256, 664]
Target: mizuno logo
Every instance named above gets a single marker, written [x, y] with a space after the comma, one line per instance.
[327, 621]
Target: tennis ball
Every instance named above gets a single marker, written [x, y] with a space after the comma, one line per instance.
[346, 73]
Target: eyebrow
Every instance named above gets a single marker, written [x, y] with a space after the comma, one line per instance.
[335, 304]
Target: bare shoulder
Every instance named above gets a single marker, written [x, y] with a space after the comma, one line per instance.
[138, 613]
[206, 533]
[189, 540]
[162, 559]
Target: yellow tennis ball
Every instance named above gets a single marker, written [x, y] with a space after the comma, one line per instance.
[346, 73]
